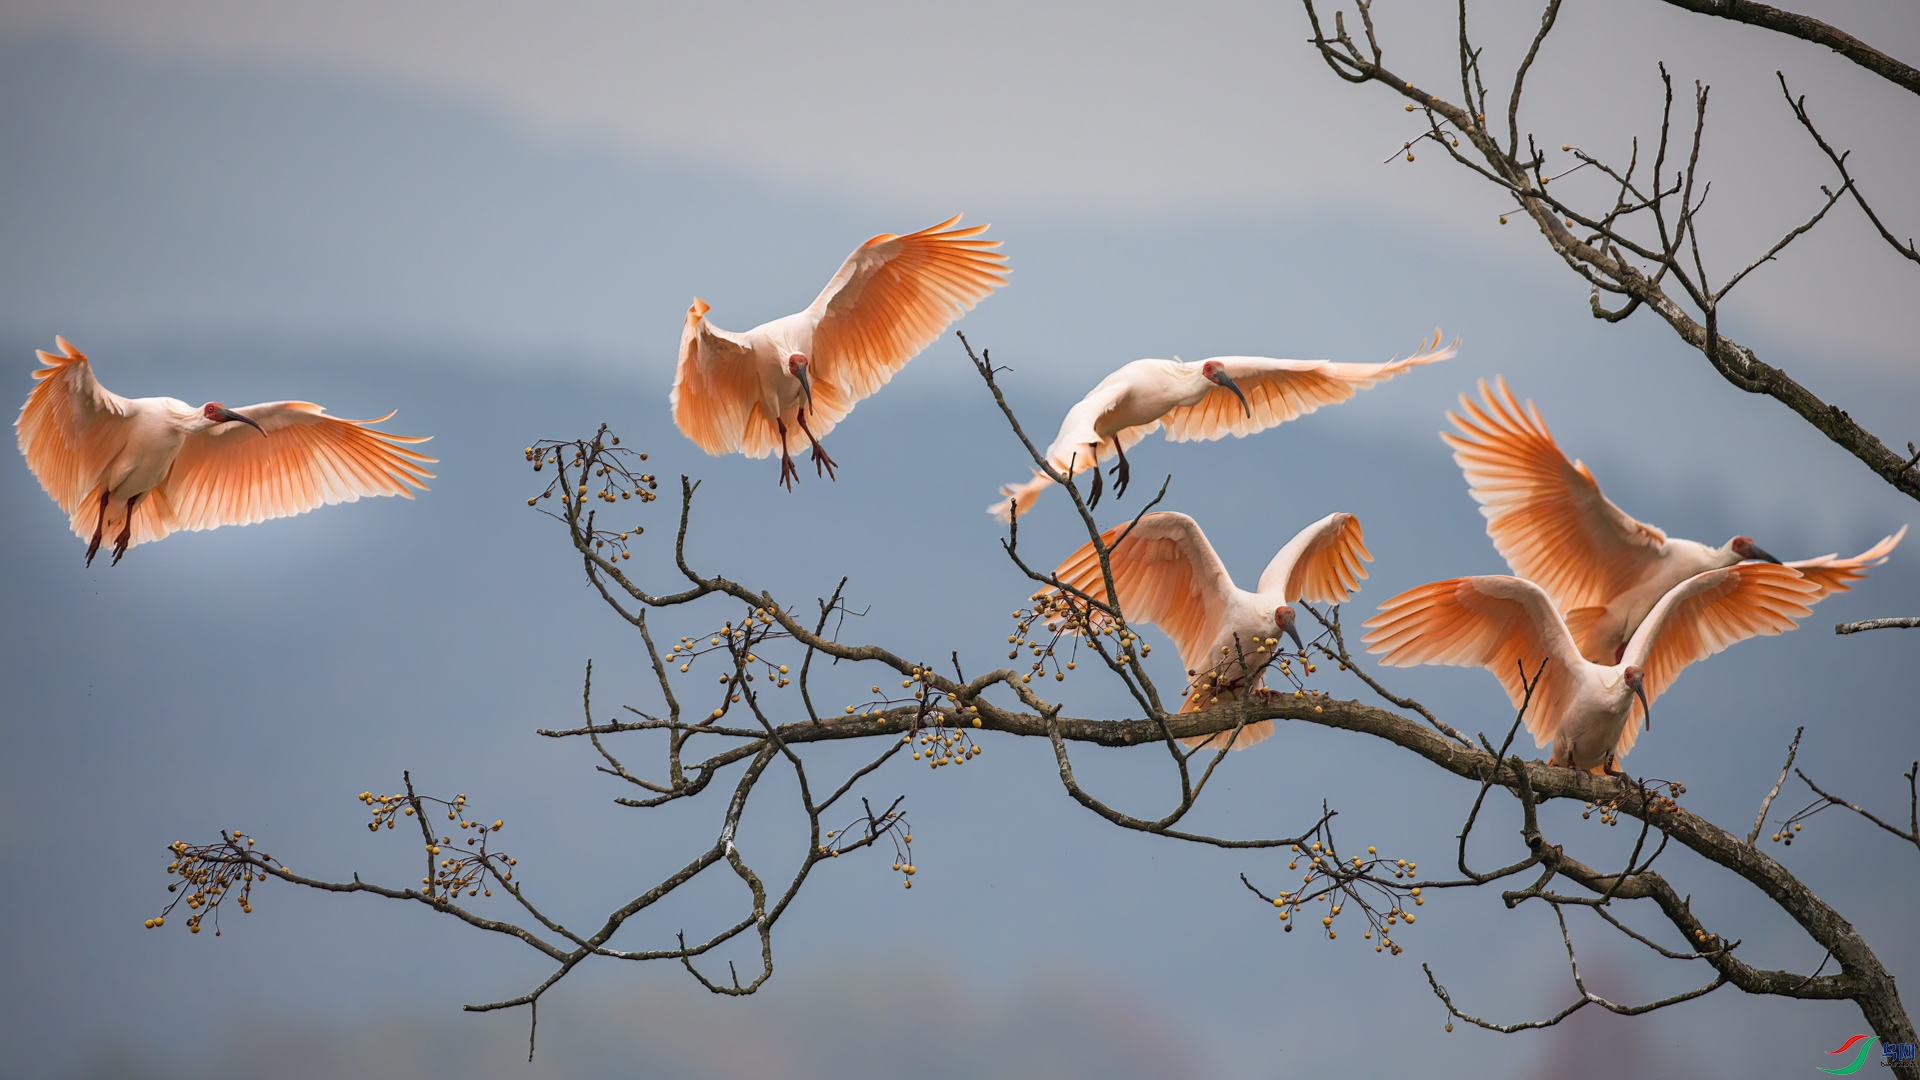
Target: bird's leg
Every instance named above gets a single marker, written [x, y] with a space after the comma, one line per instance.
[820, 457]
[788, 474]
[126, 533]
[1121, 470]
[99, 526]
[1093, 495]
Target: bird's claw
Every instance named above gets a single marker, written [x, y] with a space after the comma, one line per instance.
[788, 474]
[822, 460]
[1122, 473]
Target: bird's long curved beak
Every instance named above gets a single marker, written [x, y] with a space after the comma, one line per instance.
[1755, 551]
[1640, 691]
[229, 414]
[1226, 380]
[805, 384]
[1295, 635]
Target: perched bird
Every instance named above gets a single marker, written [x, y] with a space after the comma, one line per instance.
[1194, 400]
[1605, 570]
[1509, 625]
[144, 467]
[1168, 576]
[746, 393]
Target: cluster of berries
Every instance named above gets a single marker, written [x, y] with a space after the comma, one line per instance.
[597, 469]
[1332, 883]
[457, 866]
[211, 873]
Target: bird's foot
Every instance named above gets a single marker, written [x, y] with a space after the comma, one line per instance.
[788, 474]
[99, 527]
[821, 459]
[126, 533]
[1093, 496]
[1122, 472]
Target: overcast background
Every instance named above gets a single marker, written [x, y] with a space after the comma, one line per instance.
[492, 217]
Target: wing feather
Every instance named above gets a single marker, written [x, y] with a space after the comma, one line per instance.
[70, 428]
[1832, 574]
[1167, 575]
[1281, 390]
[715, 387]
[1545, 514]
[1324, 562]
[1507, 625]
[1706, 613]
[232, 475]
[892, 297]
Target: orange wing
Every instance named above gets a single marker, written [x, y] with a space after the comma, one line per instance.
[1545, 514]
[70, 427]
[1167, 574]
[1504, 624]
[892, 297]
[1832, 574]
[1323, 562]
[232, 475]
[1706, 613]
[716, 391]
[1280, 390]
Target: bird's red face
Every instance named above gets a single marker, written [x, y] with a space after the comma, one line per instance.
[1636, 682]
[1744, 547]
[1283, 619]
[220, 414]
[797, 367]
[1216, 373]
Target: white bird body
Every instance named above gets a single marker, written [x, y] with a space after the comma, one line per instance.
[767, 348]
[1673, 562]
[746, 392]
[155, 430]
[1604, 570]
[1195, 400]
[1136, 395]
[1169, 576]
[144, 467]
[1583, 709]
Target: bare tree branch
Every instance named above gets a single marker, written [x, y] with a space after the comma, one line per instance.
[1906, 623]
[1760, 819]
[1811, 29]
[1607, 256]
[754, 728]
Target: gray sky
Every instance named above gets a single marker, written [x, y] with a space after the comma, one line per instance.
[495, 225]
[1125, 115]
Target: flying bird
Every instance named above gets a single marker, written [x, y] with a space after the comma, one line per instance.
[748, 392]
[1193, 400]
[1605, 570]
[1169, 576]
[1585, 710]
[141, 468]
